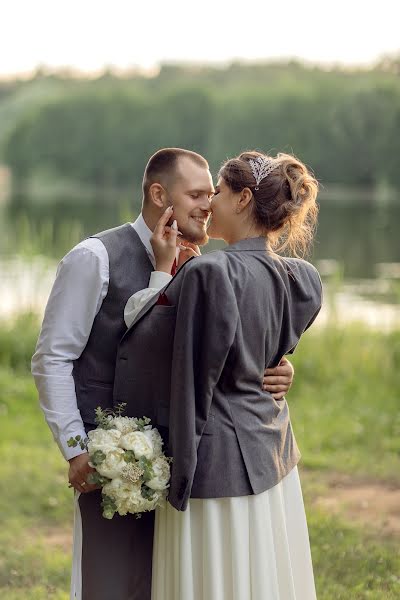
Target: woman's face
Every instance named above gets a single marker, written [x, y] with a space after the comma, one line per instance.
[223, 211]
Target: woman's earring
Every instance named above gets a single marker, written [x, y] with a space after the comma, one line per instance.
[237, 211]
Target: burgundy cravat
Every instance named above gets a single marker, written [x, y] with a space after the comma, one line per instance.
[174, 268]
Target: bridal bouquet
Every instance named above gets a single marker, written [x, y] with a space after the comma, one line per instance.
[129, 463]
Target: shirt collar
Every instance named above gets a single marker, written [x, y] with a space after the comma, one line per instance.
[144, 233]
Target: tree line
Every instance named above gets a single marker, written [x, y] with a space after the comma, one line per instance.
[344, 124]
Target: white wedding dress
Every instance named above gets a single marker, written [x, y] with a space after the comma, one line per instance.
[244, 548]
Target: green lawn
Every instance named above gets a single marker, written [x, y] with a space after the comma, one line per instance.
[345, 409]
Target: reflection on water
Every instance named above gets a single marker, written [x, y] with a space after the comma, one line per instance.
[356, 251]
[25, 284]
[359, 237]
[347, 307]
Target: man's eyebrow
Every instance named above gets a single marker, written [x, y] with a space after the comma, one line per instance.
[203, 191]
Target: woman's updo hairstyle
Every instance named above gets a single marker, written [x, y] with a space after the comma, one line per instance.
[284, 202]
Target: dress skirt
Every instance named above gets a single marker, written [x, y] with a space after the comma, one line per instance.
[244, 548]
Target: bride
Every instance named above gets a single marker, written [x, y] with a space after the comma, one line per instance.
[235, 525]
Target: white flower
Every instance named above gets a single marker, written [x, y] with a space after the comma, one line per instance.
[128, 497]
[150, 504]
[117, 487]
[124, 424]
[113, 463]
[154, 436]
[103, 439]
[139, 442]
[161, 474]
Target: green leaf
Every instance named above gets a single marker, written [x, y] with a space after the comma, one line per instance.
[141, 423]
[146, 466]
[102, 415]
[109, 507]
[147, 492]
[95, 478]
[102, 419]
[97, 457]
[120, 408]
[129, 456]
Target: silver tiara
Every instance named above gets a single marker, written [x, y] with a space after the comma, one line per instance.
[261, 168]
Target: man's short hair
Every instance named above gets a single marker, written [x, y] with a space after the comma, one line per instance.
[161, 167]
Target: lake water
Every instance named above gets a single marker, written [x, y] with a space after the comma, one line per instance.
[357, 251]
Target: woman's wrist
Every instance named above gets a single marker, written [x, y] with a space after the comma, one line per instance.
[164, 267]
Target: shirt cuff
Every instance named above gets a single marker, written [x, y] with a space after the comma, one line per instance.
[71, 451]
[159, 279]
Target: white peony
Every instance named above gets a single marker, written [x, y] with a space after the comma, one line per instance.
[113, 463]
[124, 424]
[139, 442]
[117, 487]
[162, 474]
[103, 439]
[150, 504]
[127, 496]
[154, 436]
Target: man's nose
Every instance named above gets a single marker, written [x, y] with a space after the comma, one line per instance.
[205, 203]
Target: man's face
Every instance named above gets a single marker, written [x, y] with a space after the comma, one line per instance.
[190, 195]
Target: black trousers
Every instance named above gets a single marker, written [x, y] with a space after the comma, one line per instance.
[116, 553]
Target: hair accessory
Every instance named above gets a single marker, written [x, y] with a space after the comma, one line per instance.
[262, 167]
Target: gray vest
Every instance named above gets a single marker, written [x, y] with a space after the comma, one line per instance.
[94, 370]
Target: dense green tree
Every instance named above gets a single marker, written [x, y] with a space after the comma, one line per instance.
[344, 124]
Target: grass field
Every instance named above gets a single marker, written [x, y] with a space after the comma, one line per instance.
[345, 410]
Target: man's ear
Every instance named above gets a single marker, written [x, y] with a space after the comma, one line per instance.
[157, 195]
[245, 198]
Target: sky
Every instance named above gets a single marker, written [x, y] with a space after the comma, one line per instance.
[89, 35]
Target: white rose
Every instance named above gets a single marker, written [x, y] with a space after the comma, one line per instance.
[136, 503]
[117, 488]
[139, 442]
[122, 507]
[135, 497]
[155, 438]
[113, 463]
[128, 497]
[162, 474]
[124, 424]
[103, 439]
[150, 504]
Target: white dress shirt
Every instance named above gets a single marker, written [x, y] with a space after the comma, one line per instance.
[136, 302]
[79, 289]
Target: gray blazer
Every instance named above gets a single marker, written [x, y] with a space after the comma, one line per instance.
[195, 368]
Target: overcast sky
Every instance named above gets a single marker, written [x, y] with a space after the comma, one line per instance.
[88, 35]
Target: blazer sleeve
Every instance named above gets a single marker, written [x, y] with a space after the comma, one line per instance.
[308, 302]
[206, 322]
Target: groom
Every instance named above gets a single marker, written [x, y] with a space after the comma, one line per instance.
[74, 362]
